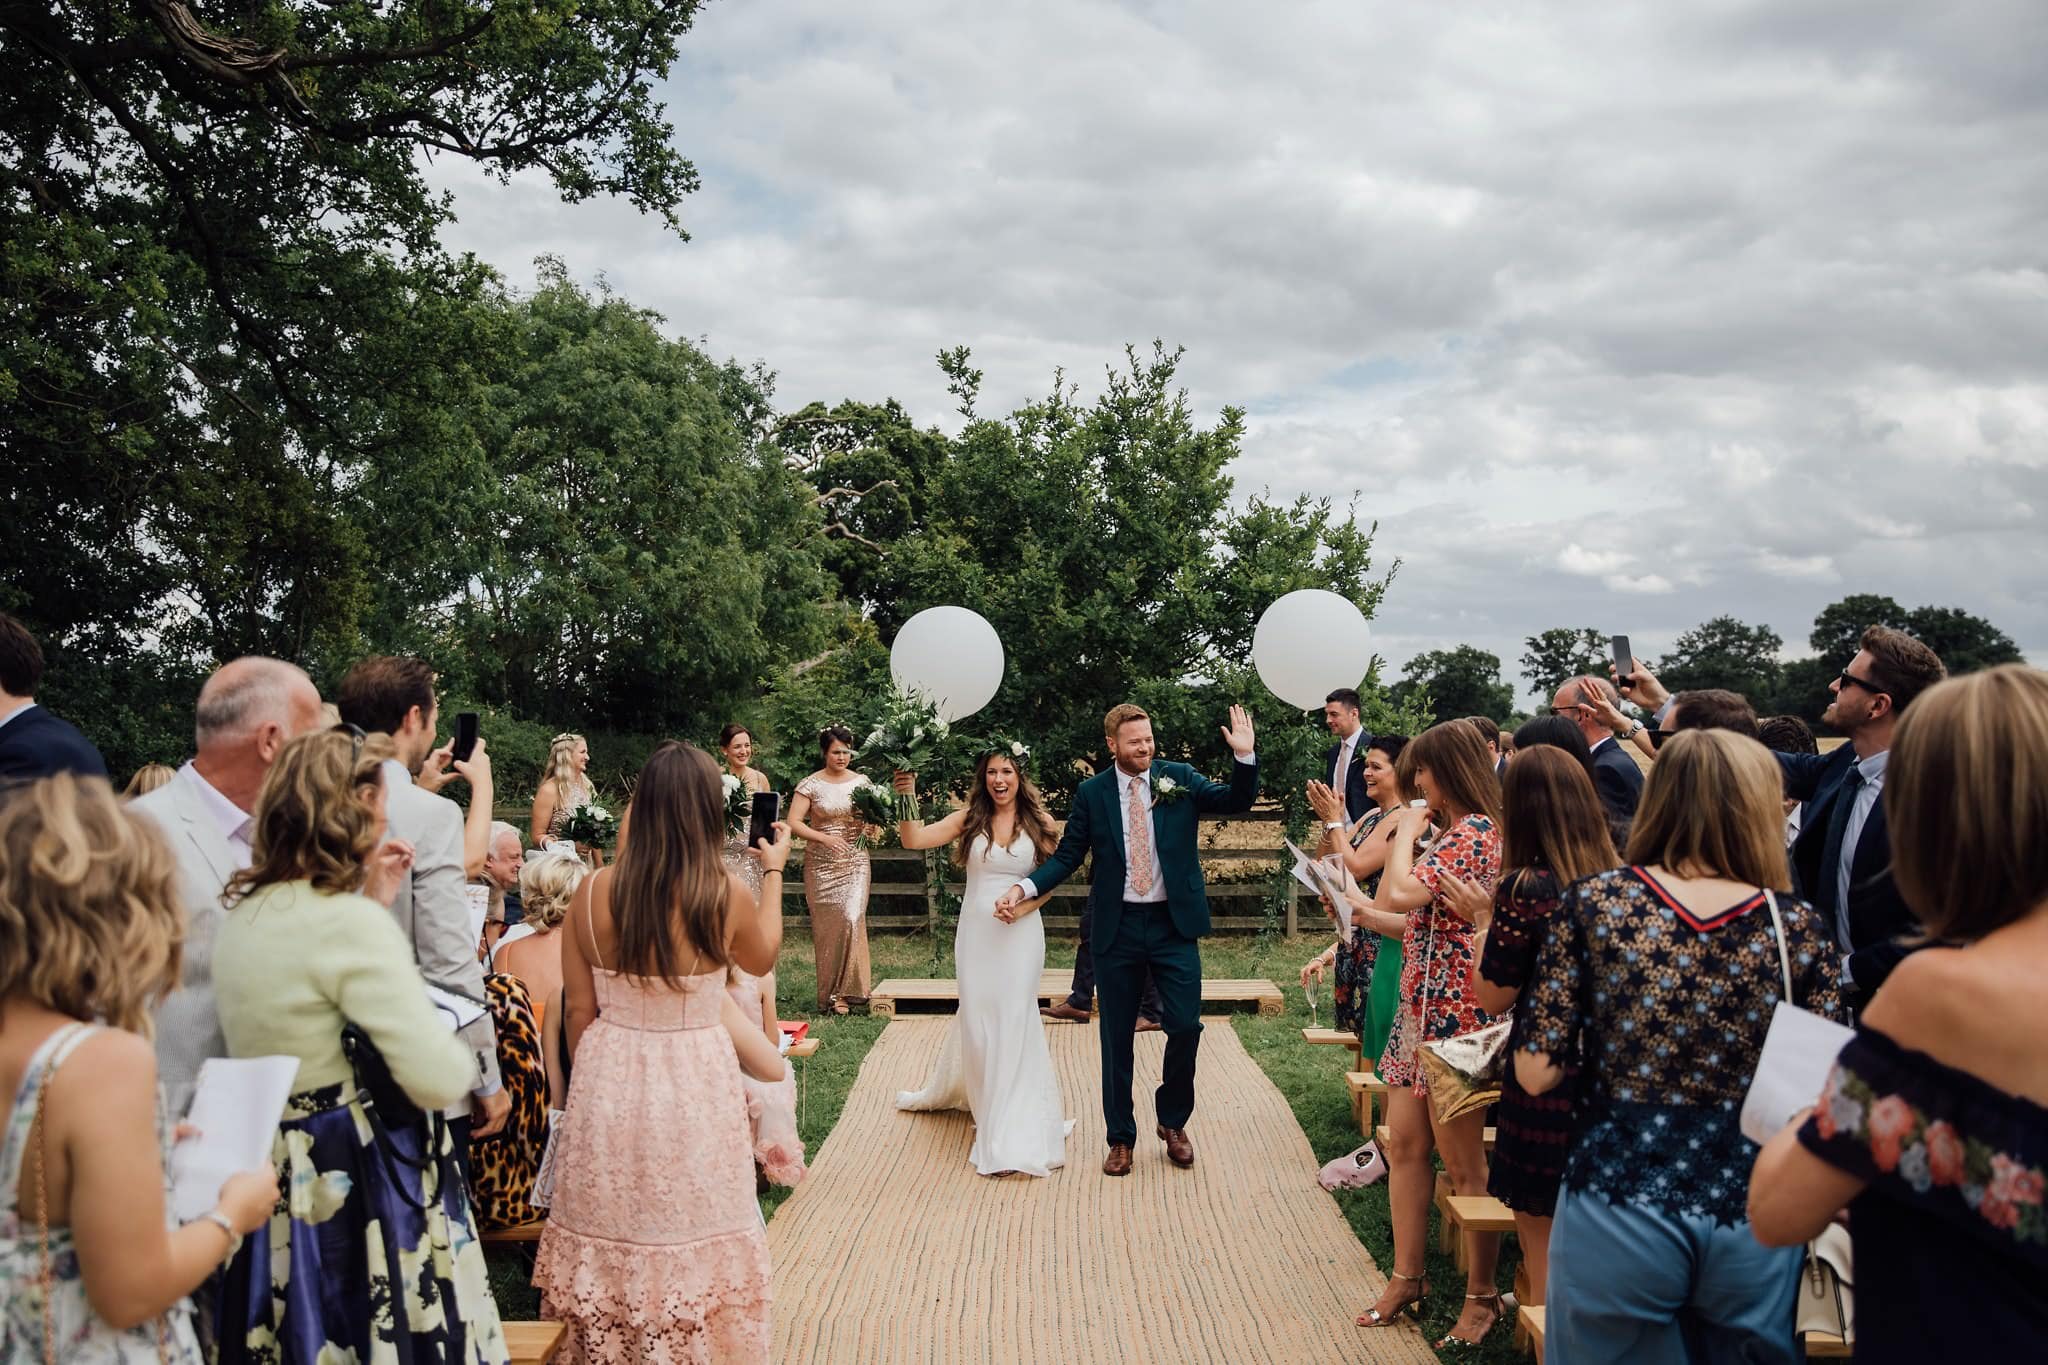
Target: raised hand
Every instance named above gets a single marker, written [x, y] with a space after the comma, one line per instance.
[433, 774]
[1640, 685]
[1238, 734]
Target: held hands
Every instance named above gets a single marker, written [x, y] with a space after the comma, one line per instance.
[1010, 914]
[387, 868]
[1640, 686]
[773, 855]
[1007, 903]
[905, 783]
[489, 1113]
[247, 1198]
[1238, 734]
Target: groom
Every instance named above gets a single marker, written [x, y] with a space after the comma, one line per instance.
[1148, 907]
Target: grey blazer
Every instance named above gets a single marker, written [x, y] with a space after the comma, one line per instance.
[434, 913]
[187, 1023]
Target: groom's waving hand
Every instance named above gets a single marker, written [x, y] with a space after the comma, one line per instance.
[1238, 734]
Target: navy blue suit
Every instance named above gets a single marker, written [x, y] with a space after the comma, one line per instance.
[1877, 915]
[1356, 802]
[37, 744]
[1619, 782]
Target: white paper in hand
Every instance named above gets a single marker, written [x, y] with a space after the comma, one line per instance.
[479, 898]
[236, 1107]
[1301, 872]
[459, 1010]
[1798, 1051]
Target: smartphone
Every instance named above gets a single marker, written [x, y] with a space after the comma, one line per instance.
[465, 736]
[761, 823]
[1624, 660]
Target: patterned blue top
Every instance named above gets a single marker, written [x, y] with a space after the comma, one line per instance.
[1669, 1012]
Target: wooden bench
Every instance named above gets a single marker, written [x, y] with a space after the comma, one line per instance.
[1529, 1323]
[519, 1236]
[1331, 1037]
[1826, 1346]
[534, 1343]
[885, 996]
[1379, 1134]
[1367, 1092]
[1464, 1213]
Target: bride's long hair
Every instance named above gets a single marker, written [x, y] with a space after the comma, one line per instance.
[981, 811]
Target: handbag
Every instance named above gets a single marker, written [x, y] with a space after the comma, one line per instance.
[1827, 1301]
[1463, 1073]
[388, 1107]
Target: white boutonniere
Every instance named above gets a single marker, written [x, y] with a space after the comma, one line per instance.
[1166, 791]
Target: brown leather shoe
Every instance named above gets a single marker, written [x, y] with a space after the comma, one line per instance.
[1179, 1150]
[1118, 1162]
[1146, 1025]
[1065, 1010]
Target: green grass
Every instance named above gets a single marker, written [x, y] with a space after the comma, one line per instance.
[1312, 1079]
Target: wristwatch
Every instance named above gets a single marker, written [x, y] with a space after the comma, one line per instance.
[1633, 731]
[1337, 825]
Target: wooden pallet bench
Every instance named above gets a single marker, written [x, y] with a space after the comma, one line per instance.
[522, 1235]
[886, 996]
[1826, 1346]
[534, 1343]
[1368, 1092]
[1464, 1213]
[1331, 1037]
[1529, 1322]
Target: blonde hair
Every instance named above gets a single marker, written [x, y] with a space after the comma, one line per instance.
[562, 769]
[1714, 806]
[1121, 715]
[90, 924]
[310, 822]
[546, 885]
[147, 779]
[1966, 782]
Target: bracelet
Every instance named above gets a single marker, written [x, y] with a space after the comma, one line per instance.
[221, 1221]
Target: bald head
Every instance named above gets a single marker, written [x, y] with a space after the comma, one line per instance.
[255, 702]
[1570, 702]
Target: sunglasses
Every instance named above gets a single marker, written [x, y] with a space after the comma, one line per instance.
[1657, 737]
[1847, 679]
[354, 732]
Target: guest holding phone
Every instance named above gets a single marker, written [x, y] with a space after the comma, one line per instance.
[92, 1267]
[837, 873]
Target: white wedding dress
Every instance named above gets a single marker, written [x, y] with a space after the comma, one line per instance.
[994, 1062]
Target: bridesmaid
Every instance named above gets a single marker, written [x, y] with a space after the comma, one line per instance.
[837, 873]
[736, 743]
[565, 787]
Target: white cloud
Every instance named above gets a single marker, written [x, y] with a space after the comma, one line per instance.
[1616, 314]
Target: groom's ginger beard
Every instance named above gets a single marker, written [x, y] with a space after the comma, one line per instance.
[1132, 748]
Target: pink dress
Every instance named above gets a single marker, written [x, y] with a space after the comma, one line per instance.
[655, 1249]
[771, 1105]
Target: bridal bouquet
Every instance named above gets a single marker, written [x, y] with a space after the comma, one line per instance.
[739, 804]
[906, 739]
[875, 806]
[593, 825]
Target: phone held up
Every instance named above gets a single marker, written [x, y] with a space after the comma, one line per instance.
[465, 736]
[761, 820]
[1624, 661]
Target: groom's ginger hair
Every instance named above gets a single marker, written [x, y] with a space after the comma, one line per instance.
[1120, 716]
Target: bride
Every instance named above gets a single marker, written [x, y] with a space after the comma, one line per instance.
[994, 1062]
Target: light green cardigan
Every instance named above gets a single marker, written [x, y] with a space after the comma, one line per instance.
[292, 964]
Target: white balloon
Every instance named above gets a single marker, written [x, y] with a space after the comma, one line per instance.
[951, 655]
[1310, 643]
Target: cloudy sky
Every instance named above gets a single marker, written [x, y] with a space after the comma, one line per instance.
[1618, 314]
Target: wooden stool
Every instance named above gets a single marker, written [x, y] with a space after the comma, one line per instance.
[534, 1343]
[1529, 1325]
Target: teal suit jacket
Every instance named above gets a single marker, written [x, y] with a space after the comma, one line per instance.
[1096, 826]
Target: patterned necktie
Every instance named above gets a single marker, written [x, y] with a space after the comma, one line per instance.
[1140, 842]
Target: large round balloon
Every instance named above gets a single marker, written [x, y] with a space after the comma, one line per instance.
[1309, 644]
[951, 655]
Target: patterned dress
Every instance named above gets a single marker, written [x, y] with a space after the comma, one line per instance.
[1355, 959]
[1437, 952]
[77, 1334]
[502, 1167]
[1668, 1012]
[1951, 1231]
[1535, 1130]
[836, 890]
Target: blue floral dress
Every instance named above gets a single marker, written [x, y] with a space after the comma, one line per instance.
[77, 1334]
[1951, 1234]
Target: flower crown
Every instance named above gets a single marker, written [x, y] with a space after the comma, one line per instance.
[1002, 746]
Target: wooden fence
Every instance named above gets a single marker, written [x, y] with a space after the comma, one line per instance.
[901, 899]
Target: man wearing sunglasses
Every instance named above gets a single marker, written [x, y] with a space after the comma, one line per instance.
[1842, 857]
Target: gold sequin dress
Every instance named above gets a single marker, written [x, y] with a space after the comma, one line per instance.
[836, 890]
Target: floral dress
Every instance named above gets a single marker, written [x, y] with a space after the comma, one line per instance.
[1668, 1011]
[1355, 959]
[1950, 1232]
[1437, 1002]
[1535, 1130]
[77, 1335]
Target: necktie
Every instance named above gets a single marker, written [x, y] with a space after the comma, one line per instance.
[1140, 841]
[1338, 778]
[1828, 894]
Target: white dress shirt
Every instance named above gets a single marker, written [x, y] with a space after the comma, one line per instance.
[237, 826]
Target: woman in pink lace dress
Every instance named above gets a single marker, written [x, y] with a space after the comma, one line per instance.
[655, 1249]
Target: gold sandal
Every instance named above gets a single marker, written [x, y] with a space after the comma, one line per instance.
[1499, 1312]
[1372, 1317]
